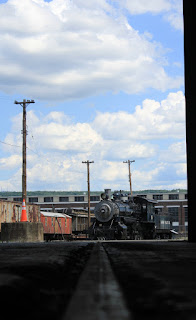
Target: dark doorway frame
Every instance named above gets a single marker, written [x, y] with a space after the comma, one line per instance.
[189, 13]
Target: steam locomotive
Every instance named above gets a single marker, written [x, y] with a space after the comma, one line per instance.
[126, 217]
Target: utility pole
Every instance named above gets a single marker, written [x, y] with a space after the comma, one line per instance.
[88, 182]
[24, 104]
[129, 168]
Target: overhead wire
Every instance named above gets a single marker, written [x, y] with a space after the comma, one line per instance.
[35, 152]
[9, 144]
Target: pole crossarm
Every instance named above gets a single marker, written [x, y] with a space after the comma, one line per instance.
[27, 102]
[129, 161]
[87, 161]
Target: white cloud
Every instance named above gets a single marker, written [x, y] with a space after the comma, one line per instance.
[112, 171]
[57, 117]
[171, 10]
[181, 169]
[64, 50]
[152, 6]
[160, 175]
[78, 138]
[117, 149]
[175, 16]
[152, 120]
[144, 178]
[173, 186]
[12, 142]
[57, 146]
[11, 162]
[176, 152]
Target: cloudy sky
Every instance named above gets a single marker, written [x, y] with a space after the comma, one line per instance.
[107, 77]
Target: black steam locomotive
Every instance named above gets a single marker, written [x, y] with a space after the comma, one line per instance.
[125, 217]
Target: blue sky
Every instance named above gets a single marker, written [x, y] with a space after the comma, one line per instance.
[107, 78]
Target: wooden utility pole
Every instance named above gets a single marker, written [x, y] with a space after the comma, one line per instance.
[88, 182]
[24, 103]
[129, 168]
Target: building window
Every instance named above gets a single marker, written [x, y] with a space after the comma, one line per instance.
[142, 195]
[157, 196]
[63, 199]
[174, 213]
[18, 199]
[158, 210]
[186, 213]
[45, 221]
[48, 199]
[94, 198]
[79, 198]
[173, 196]
[33, 199]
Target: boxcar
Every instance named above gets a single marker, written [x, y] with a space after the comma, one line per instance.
[57, 226]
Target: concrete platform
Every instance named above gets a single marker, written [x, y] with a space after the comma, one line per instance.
[22, 232]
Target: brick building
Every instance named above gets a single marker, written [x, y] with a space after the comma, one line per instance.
[175, 205]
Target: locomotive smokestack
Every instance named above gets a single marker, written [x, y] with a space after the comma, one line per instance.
[108, 193]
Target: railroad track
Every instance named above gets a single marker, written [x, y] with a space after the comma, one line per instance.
[98, 295]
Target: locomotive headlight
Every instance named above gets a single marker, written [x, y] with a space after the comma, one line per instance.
[105, 212]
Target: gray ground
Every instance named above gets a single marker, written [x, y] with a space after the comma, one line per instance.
[38, 280]
[158, 279]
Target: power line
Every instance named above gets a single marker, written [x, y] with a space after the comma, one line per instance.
[35, 152]
[12, 145]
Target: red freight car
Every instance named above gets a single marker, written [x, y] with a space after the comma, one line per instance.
[57, 226]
